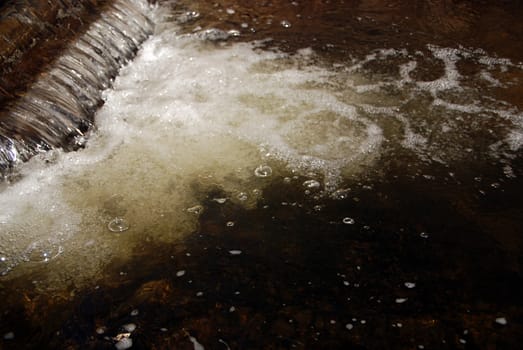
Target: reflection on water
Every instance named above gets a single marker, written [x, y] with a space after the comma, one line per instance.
[352, 182]
[342, 27]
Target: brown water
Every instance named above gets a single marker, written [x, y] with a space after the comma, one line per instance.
[416, 246]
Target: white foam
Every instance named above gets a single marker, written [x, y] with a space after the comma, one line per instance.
[515, 140]
[490, 79]
[185, 116]
[451, 77]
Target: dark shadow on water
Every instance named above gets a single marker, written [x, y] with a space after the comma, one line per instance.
[420, 265]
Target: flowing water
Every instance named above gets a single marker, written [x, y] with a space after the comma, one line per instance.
[57, 110]
[322, 174]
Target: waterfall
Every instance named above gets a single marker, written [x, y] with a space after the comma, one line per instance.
[57, 110]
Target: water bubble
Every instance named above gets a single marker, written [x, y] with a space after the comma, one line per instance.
[348, 221]
[230, 11]
[43, 251]
[508, 171]
[287, 180]
[196, 344]
[263, 171]
[342, 193]
[197, 209]
[5, 266]
[230, 223]
[311, 184]
[234, 33]
[424, 235]
[129, 327]
[242, 196]
[213, 34]
[124, 343]
[220, 200]
[410, 285]
[235, 252]
[285, 24]
[188, 16]
[349, 326]
[118, 225]
[501, 320]
[135, 312]
[227, 347]
[401, 300]
[180, 273]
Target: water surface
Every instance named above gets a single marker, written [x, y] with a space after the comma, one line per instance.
[285, 175]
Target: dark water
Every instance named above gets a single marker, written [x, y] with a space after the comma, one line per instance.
[417, 254]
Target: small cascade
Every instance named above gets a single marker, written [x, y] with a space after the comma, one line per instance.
[57, 110]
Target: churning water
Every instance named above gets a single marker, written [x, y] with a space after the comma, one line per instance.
[321, 167]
